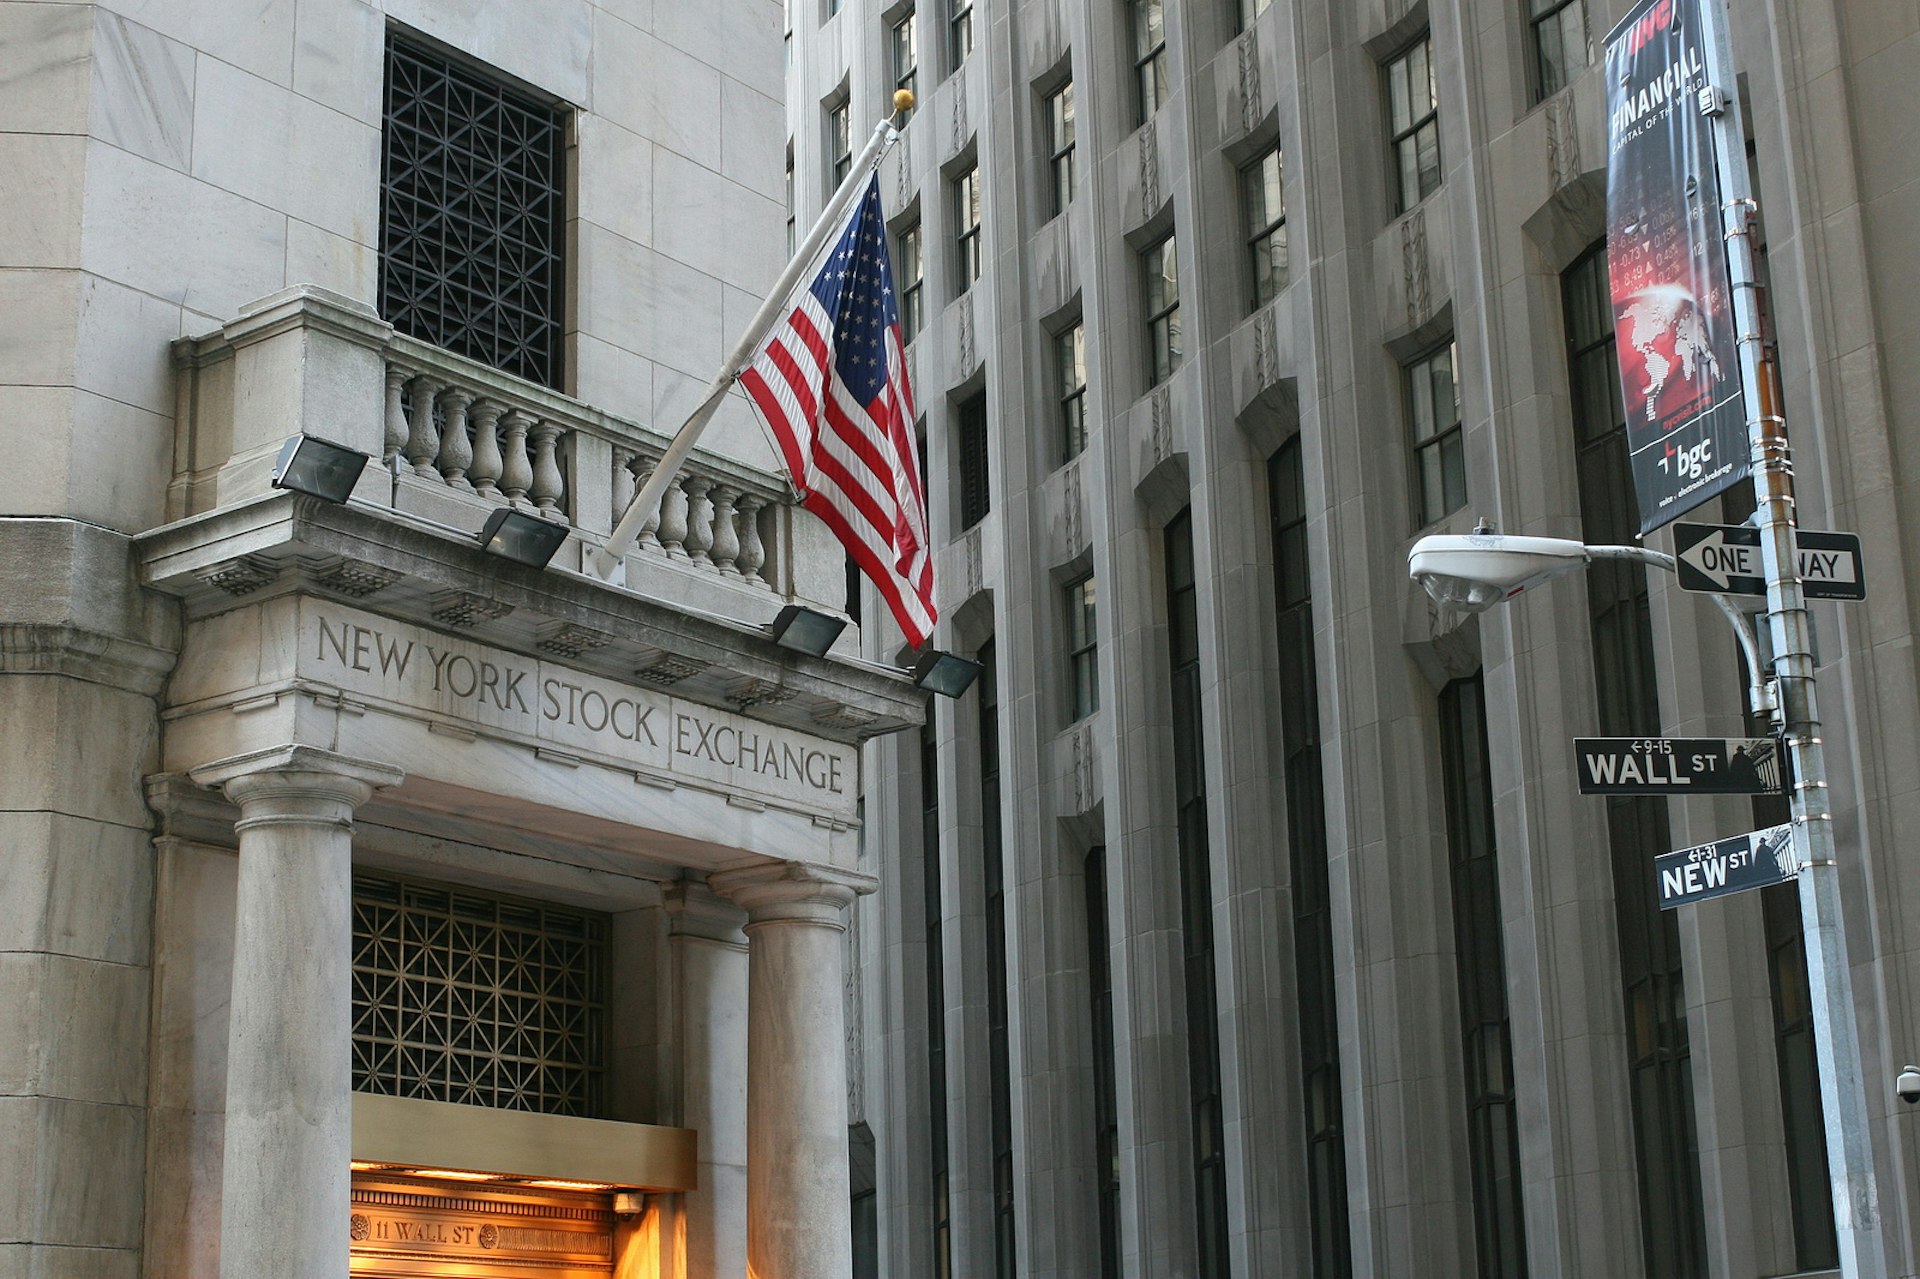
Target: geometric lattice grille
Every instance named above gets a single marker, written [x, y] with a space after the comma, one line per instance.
[488, 1001]
[472, 214]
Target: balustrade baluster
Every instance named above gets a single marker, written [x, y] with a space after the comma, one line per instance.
[397, 432]
[643, 469]
[456, 450]
[485, 472]
[623, 460]
[423, 437]
[516, 472]
[726, 538]
[699, 518]
[673, 518]
[753, 553]
[548, 484]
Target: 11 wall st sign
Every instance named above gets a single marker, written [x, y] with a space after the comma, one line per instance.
[1677, 765]
[1724, 559]
[1754, 860]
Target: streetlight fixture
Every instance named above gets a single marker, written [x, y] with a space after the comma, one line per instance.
[318, 468]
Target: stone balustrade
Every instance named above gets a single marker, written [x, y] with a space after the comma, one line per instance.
[459, 438]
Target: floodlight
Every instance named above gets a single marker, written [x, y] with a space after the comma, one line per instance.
[522, 538]
[318, 468]
[944, 673]
[806, 630]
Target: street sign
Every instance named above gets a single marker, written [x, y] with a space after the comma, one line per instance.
[1753, 860]
[1724, 559]
[1677, 765]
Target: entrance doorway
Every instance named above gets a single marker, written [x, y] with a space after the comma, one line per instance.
[417, 1225]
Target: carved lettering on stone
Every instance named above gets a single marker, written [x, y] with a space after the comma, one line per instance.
[1414, 259]
[463, 608]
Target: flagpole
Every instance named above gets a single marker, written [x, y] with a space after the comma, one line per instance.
[647, 501]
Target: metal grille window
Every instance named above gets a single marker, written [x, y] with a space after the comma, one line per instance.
[1060, 140]
[976, 498]
[1196, 904]
[1672, 1229]
[1266, 226]
[1439, 448]
[471, 214]
[1106, 1103]
[1161, 267]
[487, 1001]
[966, 235]
[1149, 57]
[1083, 648]
[910, 278]
[1413, 113]
[1561, 47]
[937, 1157]
[903, 58]
[994, 904]
[1070, 358]
[1480, 960]
[959, 32]
[1307, 864]
[839, 142]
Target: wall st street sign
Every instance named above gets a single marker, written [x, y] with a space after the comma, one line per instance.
[1724, 559]
[1677, 765]
[1753, 860]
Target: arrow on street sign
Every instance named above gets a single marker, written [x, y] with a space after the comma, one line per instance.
[1753, 860]
[1724, 559]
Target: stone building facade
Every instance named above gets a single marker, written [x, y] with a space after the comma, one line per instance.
[369, 902]
[1248, 920]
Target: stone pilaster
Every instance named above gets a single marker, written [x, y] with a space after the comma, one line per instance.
[797, 1184]
[289, 1117]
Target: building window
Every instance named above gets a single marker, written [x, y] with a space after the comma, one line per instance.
[1106, 1103]
[910, 277]
[1196, 902]
[1480, 961]
[1060, 137]
[1307, 863]
[1149, 57]
[1561, 49]
[993, 880]
[1070, 359]
[1439, 449]
[966, 221]
[472, 214]
[1161, 268]
[1673, 1233]
[937, 1161]
[477, 999]
[839, 142]
[959, 32]
[1413, 111]
[792, 243]
[1266, 226]
[970, 425]
[1083, 641]
[903, 57]
[1251, 9]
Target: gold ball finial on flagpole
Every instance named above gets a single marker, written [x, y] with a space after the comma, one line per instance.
[902, 101]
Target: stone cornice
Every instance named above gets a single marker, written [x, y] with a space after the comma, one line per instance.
[59, 649]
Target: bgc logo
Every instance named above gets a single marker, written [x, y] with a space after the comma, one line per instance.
[1689, 463]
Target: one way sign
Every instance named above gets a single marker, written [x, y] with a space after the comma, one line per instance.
[1724, 559]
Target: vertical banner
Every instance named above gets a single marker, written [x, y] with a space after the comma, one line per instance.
[1667, 266]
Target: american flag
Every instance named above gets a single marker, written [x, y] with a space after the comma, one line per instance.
[831, 382]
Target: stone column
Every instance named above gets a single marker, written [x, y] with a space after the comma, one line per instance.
[289, 1120]
[798, 1222]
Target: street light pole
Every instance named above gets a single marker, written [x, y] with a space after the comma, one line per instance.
[1856, 1208]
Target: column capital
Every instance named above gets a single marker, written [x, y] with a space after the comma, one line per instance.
[792, 890]
[695, 910]
[292, 773]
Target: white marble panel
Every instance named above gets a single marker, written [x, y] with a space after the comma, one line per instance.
[679, 324]
[142, 91]
[717, 227]
[616, 179]
[753, 139]
[43, 67]
[160, 231]
[339, 56]
[641, 84]
[123, 352]
[741, 36]
[40, 200]
[547, 44]
[122, 455]
[32, 478]
[254, 35]
[80, 1028]
[317, 256]
[262, 141]
[617, 380]
[74, 887]
[37, 341]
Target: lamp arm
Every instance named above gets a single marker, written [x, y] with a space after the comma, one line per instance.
[1759, 693]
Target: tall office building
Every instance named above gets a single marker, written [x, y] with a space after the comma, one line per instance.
[1247, 919]
[372, 902]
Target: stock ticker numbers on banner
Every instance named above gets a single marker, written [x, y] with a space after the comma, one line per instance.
[1667, 266]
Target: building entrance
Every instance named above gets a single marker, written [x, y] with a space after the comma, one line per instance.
[413, 1226]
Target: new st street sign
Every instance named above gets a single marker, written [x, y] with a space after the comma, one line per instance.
[1677, 765]
[1724, 559]
[1753, 860]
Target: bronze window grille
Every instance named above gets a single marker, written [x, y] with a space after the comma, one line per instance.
[472, 214]
[467, 997]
